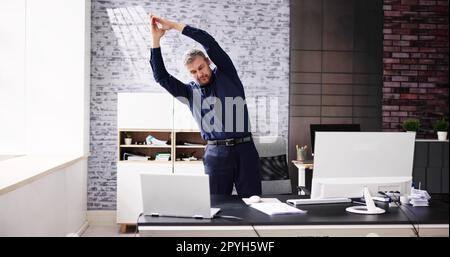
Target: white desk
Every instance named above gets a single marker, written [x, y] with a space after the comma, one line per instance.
[302, 166]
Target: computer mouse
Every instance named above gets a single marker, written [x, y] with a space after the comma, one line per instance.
[254, 199]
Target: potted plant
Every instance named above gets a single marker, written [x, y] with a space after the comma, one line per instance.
[441, 127]
[411, 125]
[128, 138]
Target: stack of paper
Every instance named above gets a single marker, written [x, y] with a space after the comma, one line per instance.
[162, 156]
[134, 157]
[138, 158]
[276, 208]
[419, 197]
[419, 202]
[263, 200]
[192, 158]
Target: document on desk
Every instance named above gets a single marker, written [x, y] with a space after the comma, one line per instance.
[263, 200]
[276, 208]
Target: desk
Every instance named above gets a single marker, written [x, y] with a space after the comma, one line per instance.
[321, 220]
[302, 166]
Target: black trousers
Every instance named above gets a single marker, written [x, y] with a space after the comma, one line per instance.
[238, 165]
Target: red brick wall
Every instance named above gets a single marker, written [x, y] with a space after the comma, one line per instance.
[415, 63]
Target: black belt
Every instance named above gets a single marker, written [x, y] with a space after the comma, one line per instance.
[231, 141]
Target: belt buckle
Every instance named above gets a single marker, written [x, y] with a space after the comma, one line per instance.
[229, 142]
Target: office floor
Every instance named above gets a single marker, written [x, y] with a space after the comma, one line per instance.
[106, 231]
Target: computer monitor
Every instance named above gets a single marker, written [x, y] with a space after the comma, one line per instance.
[347, 162]
[330, 127]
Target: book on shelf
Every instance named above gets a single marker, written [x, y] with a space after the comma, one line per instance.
[134, 157]
[162, 156]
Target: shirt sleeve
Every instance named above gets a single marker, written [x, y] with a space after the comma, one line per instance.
[213, 49]
[167, 81]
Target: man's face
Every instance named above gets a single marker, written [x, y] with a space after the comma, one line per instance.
[200, 70]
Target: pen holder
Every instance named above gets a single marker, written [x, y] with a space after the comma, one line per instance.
[301, 154]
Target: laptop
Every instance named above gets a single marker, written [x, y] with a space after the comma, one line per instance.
[177, 195]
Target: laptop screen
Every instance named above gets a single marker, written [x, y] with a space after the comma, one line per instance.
[177, 195]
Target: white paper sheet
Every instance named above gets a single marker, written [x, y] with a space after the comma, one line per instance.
[263, 200]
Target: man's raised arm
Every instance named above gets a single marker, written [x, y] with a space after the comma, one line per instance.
[170, 83]
[213, 49]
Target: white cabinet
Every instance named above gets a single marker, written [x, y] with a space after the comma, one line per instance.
[153, 111]
[129, 198]
[165, 118]
[144, 111]
[183, 119]
[189, 168]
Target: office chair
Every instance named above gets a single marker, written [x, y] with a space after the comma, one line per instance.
[274, 165]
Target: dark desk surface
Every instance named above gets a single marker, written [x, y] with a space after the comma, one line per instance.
[330, 214]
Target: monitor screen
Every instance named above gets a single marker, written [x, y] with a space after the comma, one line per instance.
[345, 163]
[331, 128]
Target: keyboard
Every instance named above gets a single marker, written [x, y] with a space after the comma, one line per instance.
[318, 201]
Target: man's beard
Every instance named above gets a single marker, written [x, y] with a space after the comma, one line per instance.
[205, 80]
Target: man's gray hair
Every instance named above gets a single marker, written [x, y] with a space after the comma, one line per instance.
[190, 55]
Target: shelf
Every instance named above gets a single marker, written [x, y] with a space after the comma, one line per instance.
[191, 146]
[189, 162]
[173, 136]
[151, 161]
[145, 146]
[144, 130]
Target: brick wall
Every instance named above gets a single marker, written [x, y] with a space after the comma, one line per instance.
[415, 63]
[254, 33]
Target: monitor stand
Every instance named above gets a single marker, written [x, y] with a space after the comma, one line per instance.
[370, 207]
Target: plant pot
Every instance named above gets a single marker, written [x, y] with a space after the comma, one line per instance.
[128, 141]
[442, 135]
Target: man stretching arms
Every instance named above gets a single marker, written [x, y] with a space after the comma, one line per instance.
[230, 156]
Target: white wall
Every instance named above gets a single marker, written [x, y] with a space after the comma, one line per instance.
[56, 75]
[54, 205]
[44, 108]
[12, 77]
[44, 76]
